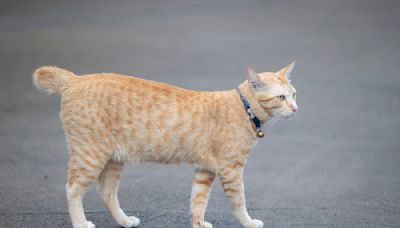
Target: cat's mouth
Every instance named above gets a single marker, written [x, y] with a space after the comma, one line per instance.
[286, 116]
[290, 117]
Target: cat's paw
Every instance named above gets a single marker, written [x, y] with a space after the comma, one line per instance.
[255, 223]
[88, 224]
[207, 225]
[131, 221]
[203, 224]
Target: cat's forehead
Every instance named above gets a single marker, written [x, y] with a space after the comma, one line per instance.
[278, 89]
[276, 85]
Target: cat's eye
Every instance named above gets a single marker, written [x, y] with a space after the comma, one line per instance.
[294, 95]
[281, 97]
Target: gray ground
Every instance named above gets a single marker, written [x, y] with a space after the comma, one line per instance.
[336, 165]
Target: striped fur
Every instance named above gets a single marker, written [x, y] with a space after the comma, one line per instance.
[111, 119]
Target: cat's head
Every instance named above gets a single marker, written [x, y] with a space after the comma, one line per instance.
[273, 91]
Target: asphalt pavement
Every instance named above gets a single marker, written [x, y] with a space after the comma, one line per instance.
[337, 164]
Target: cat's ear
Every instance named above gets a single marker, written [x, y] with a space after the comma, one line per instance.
[254, 79]
[287, 70]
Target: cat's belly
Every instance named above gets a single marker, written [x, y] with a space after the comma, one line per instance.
[165, 146]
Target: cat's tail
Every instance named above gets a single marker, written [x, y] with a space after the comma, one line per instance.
[52, 80]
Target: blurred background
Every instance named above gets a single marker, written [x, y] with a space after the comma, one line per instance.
[337, 164]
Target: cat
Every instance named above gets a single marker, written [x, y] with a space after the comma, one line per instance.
[110, 119]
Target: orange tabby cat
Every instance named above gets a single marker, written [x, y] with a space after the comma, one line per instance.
[111, 119]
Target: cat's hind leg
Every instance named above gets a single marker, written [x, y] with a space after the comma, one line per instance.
[108, 190]
[202, 182]
[83, 169]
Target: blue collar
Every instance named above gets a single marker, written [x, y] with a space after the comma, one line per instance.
[252, 116]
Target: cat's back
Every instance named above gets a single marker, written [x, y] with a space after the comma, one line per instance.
[112, 83]
[115, 89]
[117, 97]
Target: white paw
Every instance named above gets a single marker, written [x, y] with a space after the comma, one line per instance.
[88, 224]
[255, 223]
[132, 221]
[207, 225]
[203, 224]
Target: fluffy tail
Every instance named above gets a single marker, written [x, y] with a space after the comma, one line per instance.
[52, 80]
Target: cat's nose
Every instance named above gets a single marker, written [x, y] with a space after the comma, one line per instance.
[294, 109]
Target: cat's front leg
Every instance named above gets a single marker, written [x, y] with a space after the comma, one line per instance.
[232, 183]
[202, 182]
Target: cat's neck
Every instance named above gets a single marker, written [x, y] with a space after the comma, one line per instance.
[254, 105]
[226, 108]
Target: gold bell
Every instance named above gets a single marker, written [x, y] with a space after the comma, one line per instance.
[260, 134]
